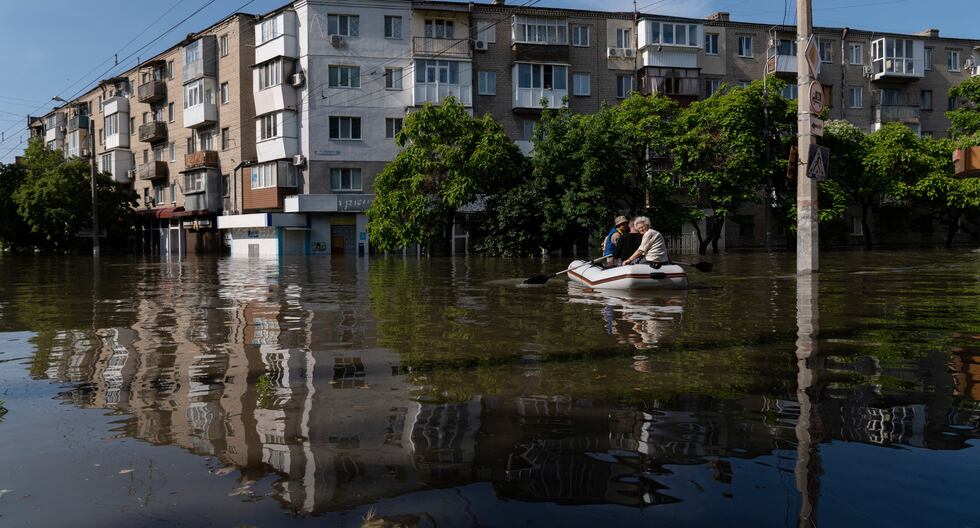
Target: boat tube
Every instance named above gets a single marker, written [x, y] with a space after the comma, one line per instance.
[632, 277]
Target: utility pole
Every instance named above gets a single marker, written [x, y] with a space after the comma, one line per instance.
[807, 236]
[95, 189]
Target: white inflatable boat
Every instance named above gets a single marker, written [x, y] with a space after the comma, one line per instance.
[634, 277]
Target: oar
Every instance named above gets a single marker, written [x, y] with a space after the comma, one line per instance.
[703, 266]
[541, 279]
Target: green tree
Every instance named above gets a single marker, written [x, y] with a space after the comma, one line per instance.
[965, 120]
[448, 158]
[848, 146]
[14, 232]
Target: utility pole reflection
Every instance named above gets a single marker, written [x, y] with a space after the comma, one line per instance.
[808, 468]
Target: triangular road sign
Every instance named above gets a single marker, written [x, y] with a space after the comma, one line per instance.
[818, 166]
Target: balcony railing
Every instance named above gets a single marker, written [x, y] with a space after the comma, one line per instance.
[441, 47]
[152, 92]
[202, 159]
[78, 122]
[898, 67]
[154, 170]
[897, 114]
[153, 131]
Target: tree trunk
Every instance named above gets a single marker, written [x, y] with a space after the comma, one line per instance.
[951, 229]
[719, 224]
[702, 243]
[865, 209]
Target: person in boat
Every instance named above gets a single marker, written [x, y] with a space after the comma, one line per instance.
[611, 242]
[628, 243]
[653, 248]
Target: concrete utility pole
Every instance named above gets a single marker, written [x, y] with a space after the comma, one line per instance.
[95, 189]
[807, 237]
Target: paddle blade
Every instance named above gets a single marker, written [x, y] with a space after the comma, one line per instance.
[538, 279]
[704, 266]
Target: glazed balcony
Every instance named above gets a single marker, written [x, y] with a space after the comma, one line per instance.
[897, 59]
[152, 92]
[154, 170]
[202, 159]
[441, 47]
[153, 131]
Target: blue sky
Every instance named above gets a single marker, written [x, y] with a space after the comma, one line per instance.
[59, 47]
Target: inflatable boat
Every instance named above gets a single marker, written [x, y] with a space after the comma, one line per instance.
[633, 277]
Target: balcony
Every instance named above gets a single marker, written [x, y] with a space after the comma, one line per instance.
[204, 59]
[152, 92]
[153, 131]
[905, 114]
[202, 159]
[441, 47]
[782, 65]
[436, 93]
[539, 52]
[531, 97]
[154, 170]
[897, 59]
[78, 122]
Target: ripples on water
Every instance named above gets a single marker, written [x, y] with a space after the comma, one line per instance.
[353, 383]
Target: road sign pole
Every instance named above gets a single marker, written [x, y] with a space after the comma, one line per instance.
[807, 239]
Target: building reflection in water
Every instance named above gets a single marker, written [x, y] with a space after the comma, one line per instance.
[283, 378]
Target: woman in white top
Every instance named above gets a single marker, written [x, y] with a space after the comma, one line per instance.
[652, 248]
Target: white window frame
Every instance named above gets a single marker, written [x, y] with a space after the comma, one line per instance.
[173, 152]
[352, 174]
[539, 30]
[711, 87]
[440, 28]
[195, 182]
[171, 112]
[340, 122]
[855, 98]
[270, 29]
[927, 60]
[622, 91]
[828, 47]
[486, 31]
[437, 70]
[624, 38]
[393, 78]
[855, 50]
[225, 138]
[588, 84]
[392, 126]
[343, 76]
[270, 74]
[343, 25]
[223, 45]
[263, 176]
[660, 35]
[953, 60]
[225, 93]
[580, 35]
[393, 27]
[745, 43]
[105, 163]
[268, 126]
[486, 83]
[194, 93]
[711, 43]
[791, 92]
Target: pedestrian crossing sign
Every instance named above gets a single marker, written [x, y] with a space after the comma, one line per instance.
[818, 166]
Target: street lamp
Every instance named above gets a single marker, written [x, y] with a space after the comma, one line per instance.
[95, 193]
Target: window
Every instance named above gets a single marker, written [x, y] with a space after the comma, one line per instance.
[132, 124]
[953, 60]
[270, 74]
[856, 53]
[111, 123]
[580, 36]
[856, 97]
[928, 59]
[170, 70]
[268, 125]
[170, 112]
[191, 145]
[346, 25]
[711, 43]
[159, 194]
[527, 130]
[791, 91]
[581, 84]
[826, 51]
[674, 34]
[786, 47]
[158, 114]
[269, 29]
[345, 128]
[926, 99]
[207, 140]
[345, 76]
[225, 93]
[891, 97]
[225, 185]
[392, 126]
[744, 46]
[195, 182]
[436, 72]
[540, 30]
[146, 119]
[225, 139]
[624, 85]
[393, 78]
[711, 86]
[192, 94]
[173, 152]
[623, 38]
[345, 179]
[951, 104]
[223, 45]
[486, 83]
[146, 156]
[192, 52]
[393, 27]
[264, 176]
[105, 163]
[486, 31]
[438, 28]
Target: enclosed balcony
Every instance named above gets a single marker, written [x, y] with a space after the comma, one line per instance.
[681, 84]
[540, 83]
[201, 159]
[54, 127]
[668, 44]
[276, 36]
[542, 39]
[441, 47]
[200, 109]
[152, 92]
[153, 131]
[200, 58]
[435, 80]
[897, 59]
[154, 170]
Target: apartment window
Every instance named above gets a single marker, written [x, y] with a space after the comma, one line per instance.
[624, 85]
[345, 25]
[486, 31]
[856, 97]
[225, 93]
[191, 145]
[486, 83]
[345, 128]
[264, 176]
[345, 179]
[711, 86]
[268, 125]
[105, 163]
[345, 76]
[158, 115]
[436, 72]
[826, 51]
[791, 91]
[540, 30]
[195, 182]
[711, 43]
[225, 185]
[111, 123]
[744, 46]
[132, 124]
[926, 99]
[207, 140]
[951, 104]
[953, 60]
[545, 76]
[269, 29]
[438, 28]
[173, 152]
[159, 194]
[581, 84]
[192, 52]
[225, 139]
[393, 27]
[392, 126]
[101, 136]
[102, 102]
[674, 34]
[223, 45]
[856, 53]
[170, 70]
[193, 95]
[393, 78]
[270, 74]
[928, 59]
[580, 36]
[786, 47]
[624, 38]
[170, 112]
[146, 156]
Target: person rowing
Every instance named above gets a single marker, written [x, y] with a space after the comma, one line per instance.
[611, 242]
[653, 248]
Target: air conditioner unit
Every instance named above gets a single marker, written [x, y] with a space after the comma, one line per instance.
[867, 71]
[613, 52]
[299, 160]
[480, 45]
[337, 41]
[298, 79]
[131, 174]
[629, 52]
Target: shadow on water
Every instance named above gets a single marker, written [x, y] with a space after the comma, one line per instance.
[377, 383]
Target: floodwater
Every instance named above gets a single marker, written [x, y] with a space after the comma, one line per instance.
[442, 392]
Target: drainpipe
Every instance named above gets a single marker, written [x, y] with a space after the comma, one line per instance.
[843, 75]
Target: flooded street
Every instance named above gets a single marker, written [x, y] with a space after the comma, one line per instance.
[443, 392]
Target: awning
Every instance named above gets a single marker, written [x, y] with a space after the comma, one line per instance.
[162, 212]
